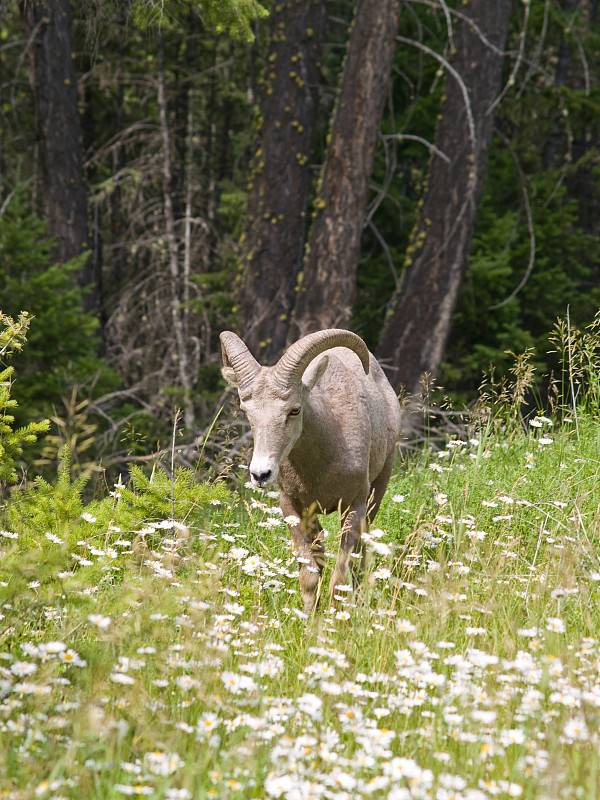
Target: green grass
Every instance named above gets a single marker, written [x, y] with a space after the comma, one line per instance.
[174, 662]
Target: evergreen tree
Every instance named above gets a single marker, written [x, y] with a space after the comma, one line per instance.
[13, 439]
[62, 348]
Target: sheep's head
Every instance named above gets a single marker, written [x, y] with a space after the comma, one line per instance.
[274, 398]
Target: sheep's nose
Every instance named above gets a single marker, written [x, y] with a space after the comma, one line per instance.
[261, 478]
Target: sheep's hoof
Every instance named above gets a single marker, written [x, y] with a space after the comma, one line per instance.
[309, 604]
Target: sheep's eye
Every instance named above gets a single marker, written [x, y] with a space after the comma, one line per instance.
[294, 412]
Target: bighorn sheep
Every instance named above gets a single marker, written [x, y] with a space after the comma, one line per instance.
[325, 428]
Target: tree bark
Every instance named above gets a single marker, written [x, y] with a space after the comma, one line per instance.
[179, 300]
[327, 286]
[54, 86]
[582, 181]
[273, 243]
[420, 314]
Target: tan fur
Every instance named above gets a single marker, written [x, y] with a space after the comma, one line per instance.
[336, 453]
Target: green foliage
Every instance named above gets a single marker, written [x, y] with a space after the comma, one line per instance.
[75, 432]
[521, 277]
[49, 507]
[62, 340]
[13, 335]
[578, 353]
[223, 16]
[160, 496]
[12, 440]
[59, 542]
[58, 507]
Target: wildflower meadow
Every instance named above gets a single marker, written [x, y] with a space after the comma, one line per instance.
[152, 642]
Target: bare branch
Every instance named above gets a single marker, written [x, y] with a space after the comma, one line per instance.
[465, 17]
[6, 202]
[391, 163]
[447, 65]
[400, 136]
[531, 262]
[534, 64]
[386, 250]
[446, 11]
[511, 80]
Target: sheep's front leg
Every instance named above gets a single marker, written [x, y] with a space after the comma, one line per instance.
[307, 536]
[347, 570]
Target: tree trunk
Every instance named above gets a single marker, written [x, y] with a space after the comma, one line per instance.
[58, 127]
[179, 301]
[420, 315]
[581, 180]
[273, 242]
[327, 286]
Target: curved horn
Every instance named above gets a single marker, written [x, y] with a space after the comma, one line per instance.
[295, 360]
[237, 356]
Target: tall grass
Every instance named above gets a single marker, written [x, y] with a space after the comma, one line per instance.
[152, 644]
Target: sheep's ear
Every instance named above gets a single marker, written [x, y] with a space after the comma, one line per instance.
[322, 366]
[230, 376]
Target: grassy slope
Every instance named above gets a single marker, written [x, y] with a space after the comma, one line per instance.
[174, 662]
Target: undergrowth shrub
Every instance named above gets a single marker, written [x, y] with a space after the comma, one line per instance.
[13, 439]
[60, 509]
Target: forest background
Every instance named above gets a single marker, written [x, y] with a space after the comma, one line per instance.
[423, 172]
